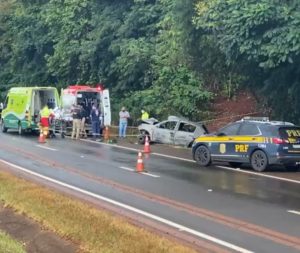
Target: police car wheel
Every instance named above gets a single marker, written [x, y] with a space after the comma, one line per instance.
[259, 160]
[202, 156]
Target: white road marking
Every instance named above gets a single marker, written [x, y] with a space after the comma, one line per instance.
[133, 209]
[128, 169]
[149, 174]
[174, 157]
[144, 173]
[44, 147]
[260, 174]
[112, 145]
[192, 161]
[294, 212]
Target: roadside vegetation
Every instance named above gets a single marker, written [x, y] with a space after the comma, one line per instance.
[8, 245]
[94, 230]
[168, 56]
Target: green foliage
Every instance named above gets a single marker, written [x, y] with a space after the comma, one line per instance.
[263, 37]
[166, 55]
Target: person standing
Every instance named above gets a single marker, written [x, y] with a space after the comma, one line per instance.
[124, 116]
[145, 115]
[84, 116]
[95, 119]
[75, 111]
[45, 115]
[1, 109]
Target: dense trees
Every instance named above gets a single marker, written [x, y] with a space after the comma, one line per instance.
[169, 56]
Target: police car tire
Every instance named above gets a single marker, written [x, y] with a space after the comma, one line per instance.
[202, 156]
[259, 161]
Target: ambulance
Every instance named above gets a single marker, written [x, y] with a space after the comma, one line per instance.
[86, 96]
[22, 107]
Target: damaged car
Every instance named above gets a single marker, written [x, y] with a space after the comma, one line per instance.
[174, 131]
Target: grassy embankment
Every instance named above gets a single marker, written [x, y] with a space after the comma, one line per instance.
[94, 230]
[8, 245]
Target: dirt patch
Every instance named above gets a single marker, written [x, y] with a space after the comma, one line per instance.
[34, 238]
[228, 110]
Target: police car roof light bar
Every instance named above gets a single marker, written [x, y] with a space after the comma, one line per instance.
[263, 119]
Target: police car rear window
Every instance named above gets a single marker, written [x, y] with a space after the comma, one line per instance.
[290, 133]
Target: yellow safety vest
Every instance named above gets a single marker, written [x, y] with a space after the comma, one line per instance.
[145, 115]
[45, 112]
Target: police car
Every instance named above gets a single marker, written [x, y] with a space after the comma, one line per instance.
[257, 141]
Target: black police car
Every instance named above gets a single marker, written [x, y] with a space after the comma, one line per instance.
[257, 141]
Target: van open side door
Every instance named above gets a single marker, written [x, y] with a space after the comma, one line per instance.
[106, 107]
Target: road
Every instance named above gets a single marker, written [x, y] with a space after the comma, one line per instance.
[216, 208]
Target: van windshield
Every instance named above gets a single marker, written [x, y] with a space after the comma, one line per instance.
[290, 133]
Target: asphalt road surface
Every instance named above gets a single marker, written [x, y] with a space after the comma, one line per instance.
[215, 208]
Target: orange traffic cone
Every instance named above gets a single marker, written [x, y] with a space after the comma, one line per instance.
[106, 134]
[42, 138]
[147, 145]
[140, 163]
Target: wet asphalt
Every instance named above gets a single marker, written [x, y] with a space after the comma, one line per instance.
[249, 198]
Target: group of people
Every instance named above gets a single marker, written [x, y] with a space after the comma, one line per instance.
[80, 116]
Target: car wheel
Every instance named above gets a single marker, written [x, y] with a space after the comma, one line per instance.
[202, 156]
[3, 128]
[235, 164]
[259, 160]
[141, 139]
[20, 130]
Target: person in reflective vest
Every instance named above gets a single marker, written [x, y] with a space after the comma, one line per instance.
[45, 114]
[145, 115]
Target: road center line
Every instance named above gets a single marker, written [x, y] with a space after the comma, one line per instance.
[144, 173]
[133, 209]
[44, 147]
[125, 168]
[294, 212]
[192, 161]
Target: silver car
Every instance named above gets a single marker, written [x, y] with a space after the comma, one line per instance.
[175, 131]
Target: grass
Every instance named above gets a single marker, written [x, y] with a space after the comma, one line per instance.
[8, 245]
[94, 230]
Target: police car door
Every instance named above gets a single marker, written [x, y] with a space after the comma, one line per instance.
[246, 141]
[223, 146]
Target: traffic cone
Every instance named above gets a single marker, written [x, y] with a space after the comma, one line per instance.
[42, 138]
[140, 163]
[106, 134]
[147, 145]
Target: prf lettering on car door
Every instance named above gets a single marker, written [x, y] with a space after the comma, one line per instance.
[241, 148]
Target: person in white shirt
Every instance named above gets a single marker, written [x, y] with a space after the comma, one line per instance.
[124, 116]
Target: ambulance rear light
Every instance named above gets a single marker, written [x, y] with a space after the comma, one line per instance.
[100, 87]
[279, 141]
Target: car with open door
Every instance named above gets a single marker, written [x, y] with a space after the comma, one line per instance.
[174, 131]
